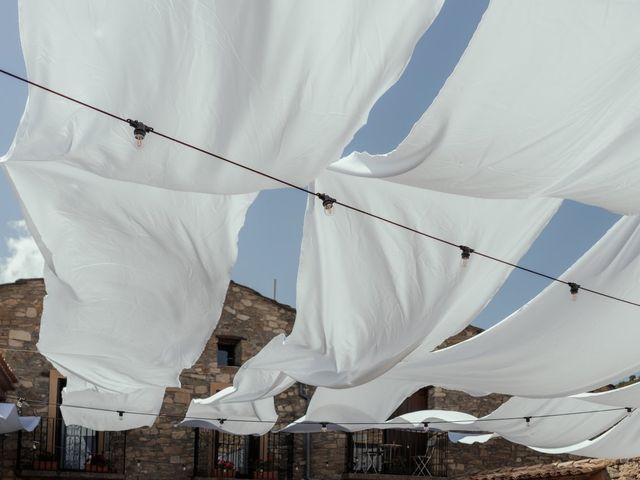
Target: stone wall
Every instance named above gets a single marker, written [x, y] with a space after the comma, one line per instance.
[161, 451]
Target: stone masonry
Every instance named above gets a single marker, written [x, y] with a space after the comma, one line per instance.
[165, 452]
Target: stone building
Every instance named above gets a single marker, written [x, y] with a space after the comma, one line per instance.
[248, 321]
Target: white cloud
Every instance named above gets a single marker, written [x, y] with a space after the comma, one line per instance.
[24, 259]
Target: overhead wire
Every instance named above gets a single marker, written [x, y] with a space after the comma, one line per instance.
[221, 421]
[322, 196]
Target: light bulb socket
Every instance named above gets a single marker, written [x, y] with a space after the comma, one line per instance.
[465, 252]
[327, 202]
[323, 427]
[222, 420]
[528, 421]
[140, 130]
[120, 415]
[425, 426]
[574, 288]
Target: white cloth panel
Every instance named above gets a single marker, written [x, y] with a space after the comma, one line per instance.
[11, 421]
[369, 293]
[507, 358]
[508, 421]
[281, 86]
[628, 396]
[136, 277]
[622, 441]
[543, 102]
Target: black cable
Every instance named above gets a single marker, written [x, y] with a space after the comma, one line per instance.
[321, 196]
[223, 420]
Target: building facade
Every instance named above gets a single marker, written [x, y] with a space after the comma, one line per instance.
[164, 451]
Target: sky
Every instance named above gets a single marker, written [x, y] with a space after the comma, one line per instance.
[269, 244]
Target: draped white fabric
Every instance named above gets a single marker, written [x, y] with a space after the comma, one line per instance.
[551, 347]
[554, 422]
[543, 102]
[619, 442]
[135, 275]
[277, 85]
[359, 279]
[11, 421]
[137, 261]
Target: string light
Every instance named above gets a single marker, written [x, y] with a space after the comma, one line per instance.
[309, 192]
[528, 421]
[628, 409]
[140, 131]
[221, 421]
[425, 426]
[327, 203]
[574, 288]
[465, 254]
[323, 427]
[324, 424]
[121, 415]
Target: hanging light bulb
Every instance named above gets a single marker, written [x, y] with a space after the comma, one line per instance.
[140, 131]
[628, 411]
[184, 467]
[327, 202]
[323, 428]
[465, 254]
[138, 464]
[326, 464]
[425, 426]
[574, 288]
[120, 415]
[528, 420]
[222, 420]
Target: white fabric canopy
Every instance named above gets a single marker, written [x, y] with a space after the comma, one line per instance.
[136, 277]
[11, 421]
[136, 274]
[277, 85]
[551, 347]
[554, 422]
[544, 102]
[369, 293]
[622, 441]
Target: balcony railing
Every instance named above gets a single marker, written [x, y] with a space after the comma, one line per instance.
[397, 452]
[222, 455]
[54, 446]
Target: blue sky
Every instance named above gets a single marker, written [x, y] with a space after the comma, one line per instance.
[270, 240]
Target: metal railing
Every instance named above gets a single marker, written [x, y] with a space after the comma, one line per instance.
[223, 455]
[397, 452]
[54, 446]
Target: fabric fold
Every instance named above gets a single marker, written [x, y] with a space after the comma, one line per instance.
[541, 104]
[370, 293]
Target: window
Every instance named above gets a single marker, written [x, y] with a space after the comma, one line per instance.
[228, 352]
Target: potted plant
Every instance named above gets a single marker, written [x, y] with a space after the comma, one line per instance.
[265, 469]
[96, 463]
[45, 461]
[224, 469]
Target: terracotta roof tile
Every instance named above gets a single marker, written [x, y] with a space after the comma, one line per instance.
[551, 470]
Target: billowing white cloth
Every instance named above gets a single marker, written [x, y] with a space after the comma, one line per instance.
[369, 293]
[136, 277]
[467, 439]
[136, 274]
[507, 358]
[543, 102]
[109, 411]
[622, 441]
[548, 426]
[277, 85]
[11, 421]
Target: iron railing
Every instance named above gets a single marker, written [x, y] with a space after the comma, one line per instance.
[223, 455]
[55, 446]
[397, 452]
